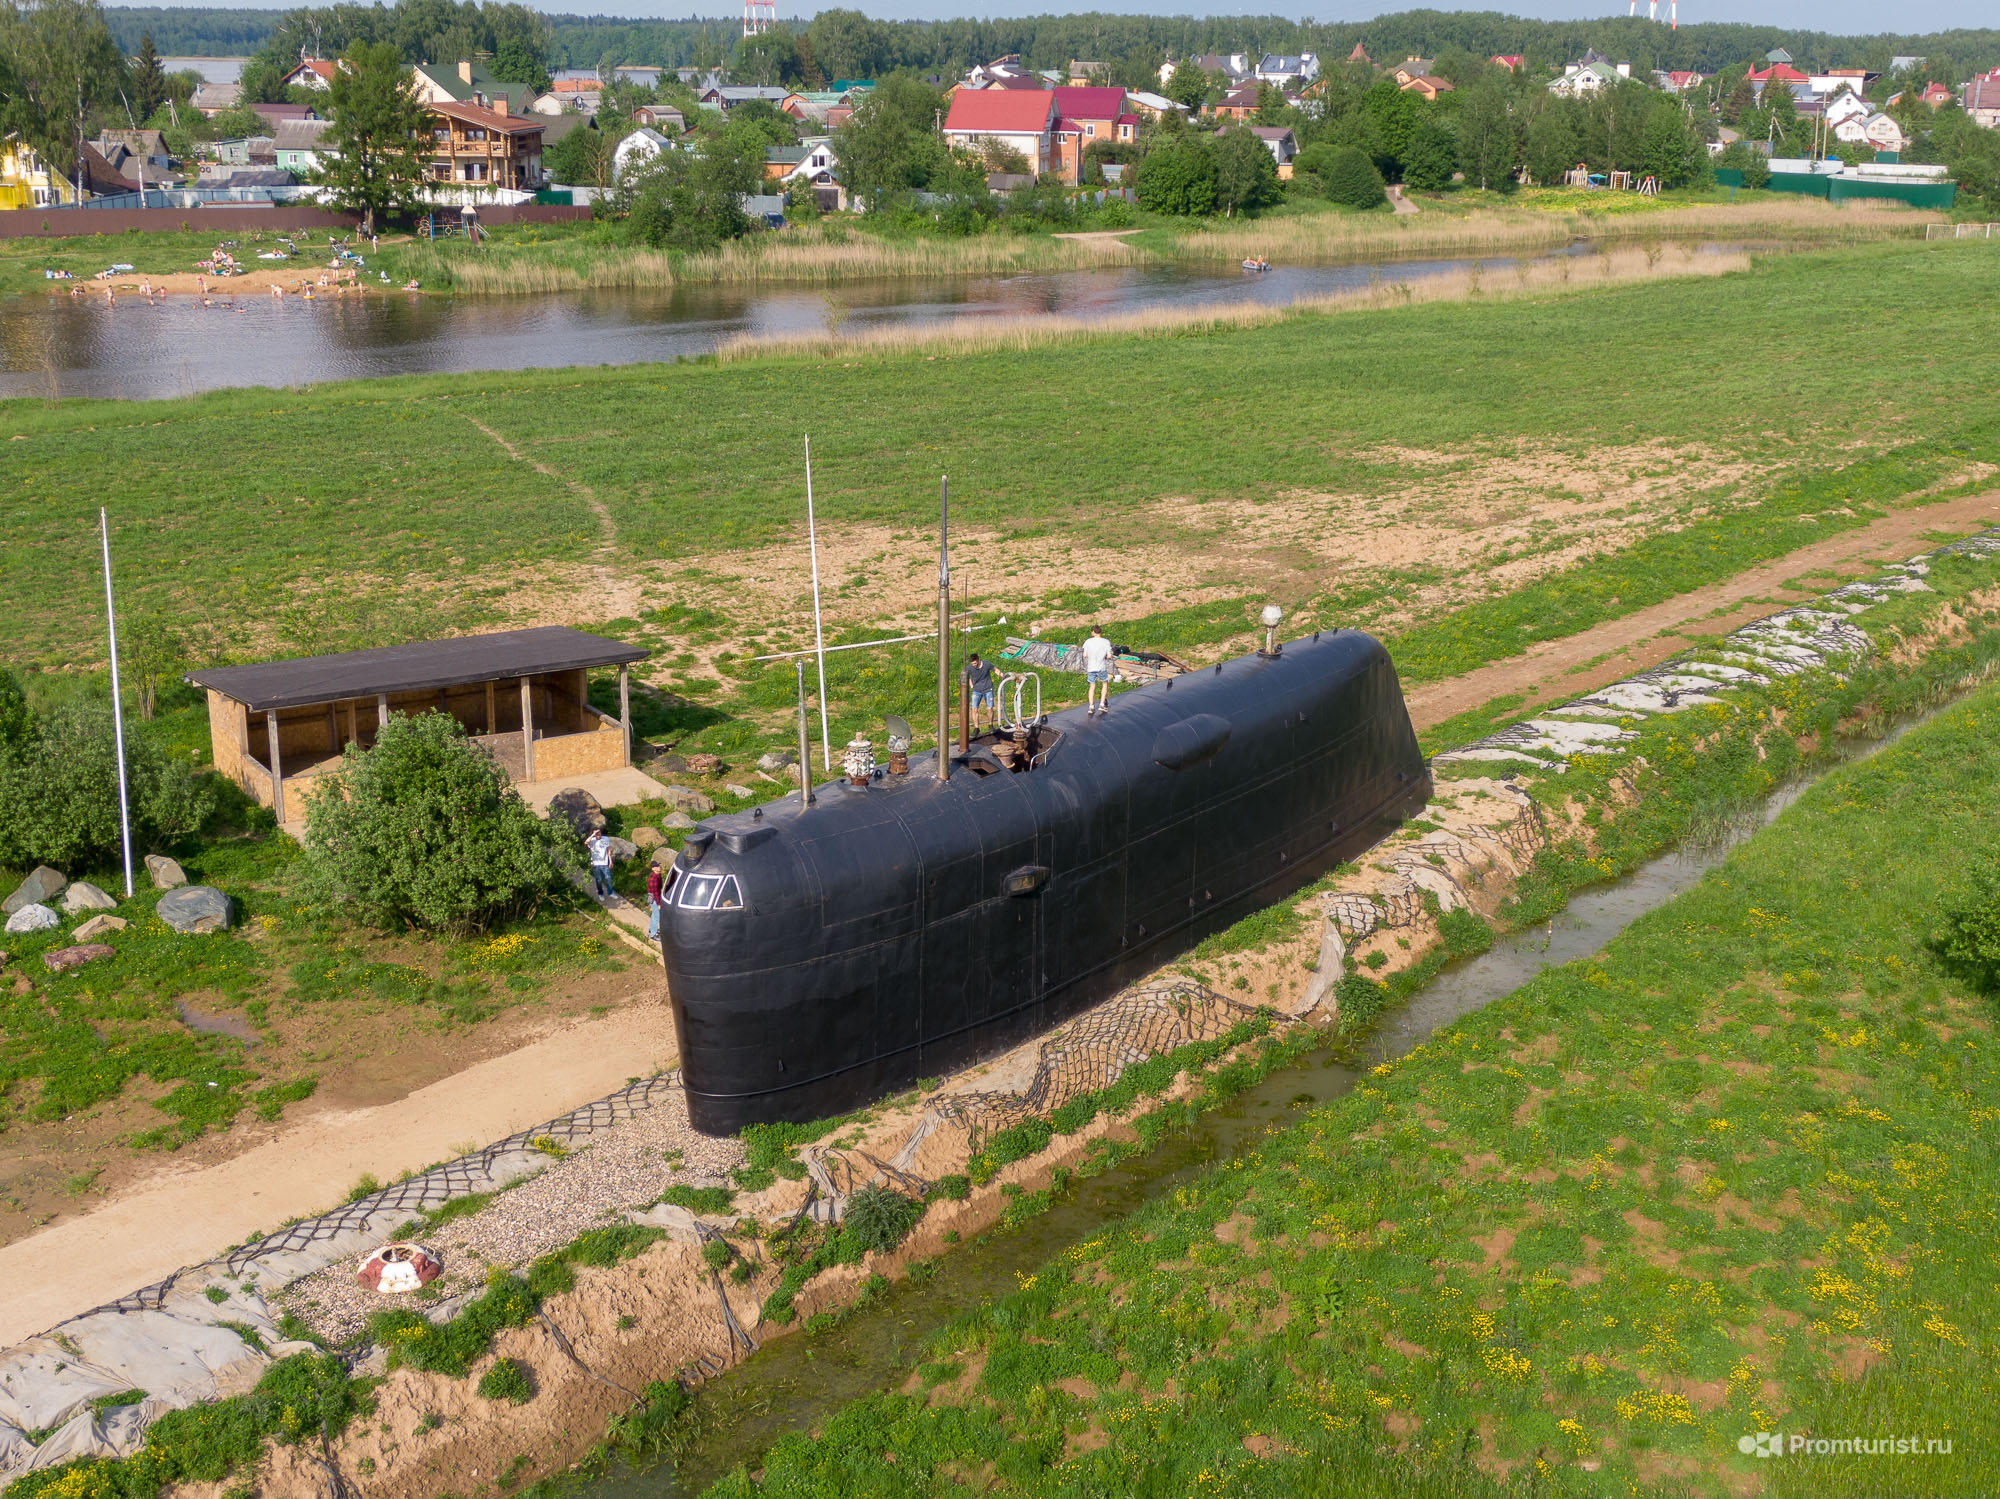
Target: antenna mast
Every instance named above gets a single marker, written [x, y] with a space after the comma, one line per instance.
[759, 16]
[819, 635]
[944, 628]
[117, 704]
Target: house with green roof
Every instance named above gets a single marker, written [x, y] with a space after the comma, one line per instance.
[469, 82]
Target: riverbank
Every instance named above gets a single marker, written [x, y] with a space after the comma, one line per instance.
[539, 259]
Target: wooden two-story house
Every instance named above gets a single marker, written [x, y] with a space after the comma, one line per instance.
[485, 144]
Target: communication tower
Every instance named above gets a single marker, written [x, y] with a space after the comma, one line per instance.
[759, 16]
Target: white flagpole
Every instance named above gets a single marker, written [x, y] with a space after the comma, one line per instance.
[819, 635]
[117, 703]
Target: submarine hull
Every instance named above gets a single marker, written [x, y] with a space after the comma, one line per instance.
[818, 958]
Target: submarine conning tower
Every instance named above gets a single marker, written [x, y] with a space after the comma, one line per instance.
[820, 956]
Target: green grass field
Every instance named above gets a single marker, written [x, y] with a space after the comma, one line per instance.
[1638, 441]
[1734, 1174]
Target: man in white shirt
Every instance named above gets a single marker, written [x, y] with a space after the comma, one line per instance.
[1097, 669]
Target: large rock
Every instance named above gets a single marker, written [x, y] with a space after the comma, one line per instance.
[84, 896]
[38, 889]
[579, 809]
[61, 959]
[194, 910]
[774, 761]
[622, 849]
[705, 765]
[687, 799]
[735, 790]
[99, 926]
[646, 838]
[33, 919]
[165, 873]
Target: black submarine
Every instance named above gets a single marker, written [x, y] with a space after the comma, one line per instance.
[830, 948]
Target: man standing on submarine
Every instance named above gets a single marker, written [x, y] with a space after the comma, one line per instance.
[1097, 670]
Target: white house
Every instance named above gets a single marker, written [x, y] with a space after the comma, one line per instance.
[1844, 109]
[1586, 78]
[638, 148]
[1884, 134]
[1281, 69]
[818, 162]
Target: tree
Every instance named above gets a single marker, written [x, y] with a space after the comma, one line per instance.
[845, 42]
[59, 792]
[1351, 179]
[692, 200]
[1742, 99]
[376, 133]
[890, 144]
[1178, 179]
[1246, 178]
[1431, 157]
[149, 79]
[766, 58]
[61, 64]
[1190, 86]
[1552, 147]
[1486, 138]
[1671, 151]
[423, 830]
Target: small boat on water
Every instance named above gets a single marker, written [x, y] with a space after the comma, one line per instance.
[1260, 264]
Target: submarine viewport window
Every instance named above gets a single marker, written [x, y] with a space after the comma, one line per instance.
[698, 891]
[729, 898]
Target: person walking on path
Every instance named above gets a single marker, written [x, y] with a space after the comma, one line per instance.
[979, 677]
[654, 881]
[599, 847]
[1097, 670]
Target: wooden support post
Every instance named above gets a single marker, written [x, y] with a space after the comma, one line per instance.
[381, 713]
[444, 701]
[333, 728]
[625, 708]
[492, 719]
[277, 767]
[527, 728]
[353, 729]
[243, 730]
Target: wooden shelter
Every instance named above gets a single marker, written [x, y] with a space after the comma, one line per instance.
[521, 695]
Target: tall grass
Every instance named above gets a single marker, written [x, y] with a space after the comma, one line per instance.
[976, 335]
[833, 252]
[1337, 237]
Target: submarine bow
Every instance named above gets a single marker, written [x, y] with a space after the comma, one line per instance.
[819, 957]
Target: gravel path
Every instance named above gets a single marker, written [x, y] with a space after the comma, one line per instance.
[628, 1166]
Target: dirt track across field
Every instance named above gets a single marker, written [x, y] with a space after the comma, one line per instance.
[1555, 670]
[186, 1218]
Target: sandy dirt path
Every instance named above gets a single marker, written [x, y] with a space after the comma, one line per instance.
[1554, 670]
[185, 1219]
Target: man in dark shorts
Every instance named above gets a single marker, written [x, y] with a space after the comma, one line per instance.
[979, 679]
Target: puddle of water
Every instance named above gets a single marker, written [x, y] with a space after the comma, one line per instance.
[216, 1025]
[801, 1380]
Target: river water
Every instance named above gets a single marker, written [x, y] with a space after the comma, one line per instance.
[53, 346]
[801, 1380]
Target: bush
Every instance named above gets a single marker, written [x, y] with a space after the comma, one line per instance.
[699, 1199]
[424, 831]
[1178, 179]
[879, 1219]
[1351, 179]
[955, 1187]
[506, 1380]
[1968, 943]
[59, 788]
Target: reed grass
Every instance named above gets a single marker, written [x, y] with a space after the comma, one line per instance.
[978, 335]
[1332, 238]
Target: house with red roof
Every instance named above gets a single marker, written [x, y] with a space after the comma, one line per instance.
[1982, 99]
[1022, 119]
[312, 72]
[1507, 60]
[1085, 116]
[1783, 73]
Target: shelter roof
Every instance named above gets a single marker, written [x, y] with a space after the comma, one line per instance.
[415, 667]
[507, 124]
[1090, 103]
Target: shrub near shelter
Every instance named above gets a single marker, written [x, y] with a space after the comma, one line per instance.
[423, 830]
